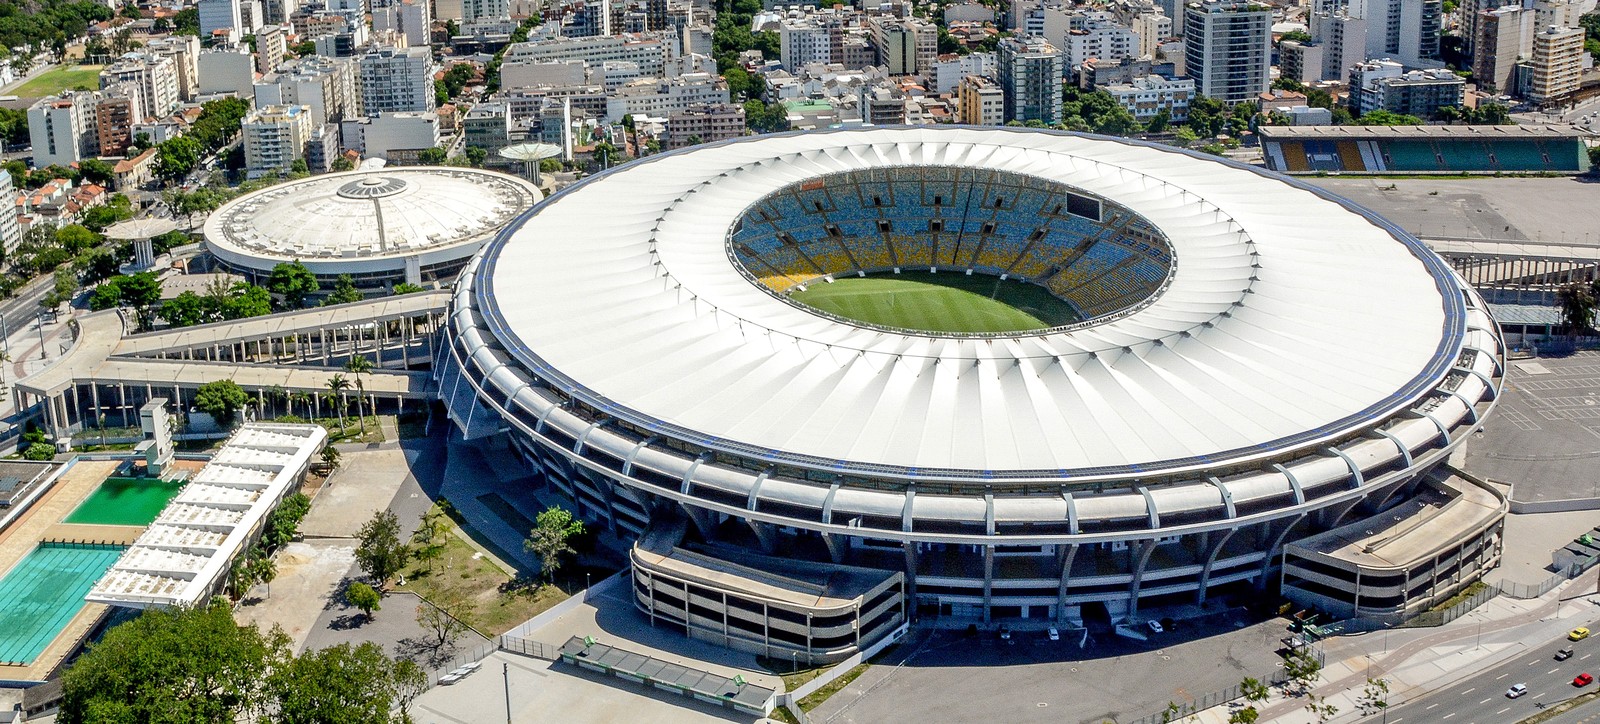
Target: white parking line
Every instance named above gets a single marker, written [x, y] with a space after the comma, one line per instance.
[1552, 671]
[1535, 661]
[1485, 701]
[1585, 656]
[1451, 714]
[1502, 676]
[1502, 711]
[1430, 707]
[1469, 691]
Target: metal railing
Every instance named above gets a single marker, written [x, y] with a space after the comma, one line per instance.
[1177, 710]
[529, 647]
[1455, 611]
[476, 653]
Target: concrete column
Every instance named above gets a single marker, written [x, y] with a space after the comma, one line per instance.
[988, 582]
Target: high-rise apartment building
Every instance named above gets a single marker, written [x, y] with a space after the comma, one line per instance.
[412, 19]
[272, 46]
[325, 85]
[1505, 36]
[1386, 85]
[905, 47]
[1099, 36]
[981, 102]
[154, 76]
[1030, 79]
[1556, 62]
[707, 123]
[62, 129]
[10, 230]
[114, 118]
[395, 80]
[1228, 48]
[184, 50]
[219, 15]
[274, 138]
[1152, 28]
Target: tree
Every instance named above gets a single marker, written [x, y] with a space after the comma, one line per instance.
[406, 288]
[330, 457]
[1254, 690]
[97, 171]
[294, 282]
[344, 683]
[337, 385]
[364, 597]
[344, 292]
[221, 399]
[173, 665]
[185, 310]
[432, 156]
[1320, 708]
[551, 537]
[1577, 307]
[1382, 117]
[1246, 715]
[359, 365]
[1302, 668]
[432, 532]
[75, 238]
[284, 522]
[380, 552]
[444, 618]
[341, 164]
[1374, 696]
[476, 155]
[40, 451]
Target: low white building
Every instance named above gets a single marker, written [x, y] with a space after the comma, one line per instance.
[385, 134]
[1148, 95]
[665, 96]
[227, 70]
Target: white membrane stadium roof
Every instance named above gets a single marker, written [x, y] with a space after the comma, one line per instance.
[1290, 318]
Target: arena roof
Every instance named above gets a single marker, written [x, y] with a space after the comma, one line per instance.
[387, 213]
[1292, 317]
[1433, 133]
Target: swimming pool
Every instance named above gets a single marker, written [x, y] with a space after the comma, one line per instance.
[43, 592]
[125, 501]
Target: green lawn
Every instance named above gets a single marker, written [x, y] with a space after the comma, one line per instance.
[948, 302]
[54, 81]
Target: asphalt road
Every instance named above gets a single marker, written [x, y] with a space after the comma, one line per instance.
[1481, 699]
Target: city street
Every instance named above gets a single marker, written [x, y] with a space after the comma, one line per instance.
[1481, 699]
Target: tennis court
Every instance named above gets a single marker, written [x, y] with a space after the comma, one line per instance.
[42, 594]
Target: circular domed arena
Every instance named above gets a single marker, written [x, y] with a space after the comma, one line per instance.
[1027, 375]
[382, 227]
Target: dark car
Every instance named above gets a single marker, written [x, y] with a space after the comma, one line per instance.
[1564, 654]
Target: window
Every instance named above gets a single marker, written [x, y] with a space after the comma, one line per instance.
[935, 225]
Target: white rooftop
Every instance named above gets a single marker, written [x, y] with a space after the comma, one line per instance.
[180, 558]
[368, 214]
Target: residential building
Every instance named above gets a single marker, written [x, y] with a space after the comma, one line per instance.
[1030, 77]
[1557, 63]
[153, 77]
[1300, 61]
[1098, 72]
[488, 126]
[229, 70]
[1505, 36]
[981, 102]
[10, 229]
[274, 138]
[1386, 85]
[649, 50]
[801, 42]
[62, 129]
[1340, 42]
[1100, 36]
[326, 85]
[1148, 96]
[272, 46]
[411, 19]
[881, 105]
[1152, 28]
[136, 172]
[219, 15]
[1357, 30]
[1228, 48]
[706, 123]
[905, 46]
[478, 10]
[322, 147]
[949, 70]
[184, 50]
[395, 80]
[659, 97]
[114, 119]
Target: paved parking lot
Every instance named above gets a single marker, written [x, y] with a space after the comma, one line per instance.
[951, 676]
[1492, 208]
[1544, 437]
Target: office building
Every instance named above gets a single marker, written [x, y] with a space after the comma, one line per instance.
[488, 126]
[1228, 48]
[1030, 78]
[980, 102]
[219, 15]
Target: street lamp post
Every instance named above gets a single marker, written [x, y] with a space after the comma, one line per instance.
[41, 336]
[505, 672]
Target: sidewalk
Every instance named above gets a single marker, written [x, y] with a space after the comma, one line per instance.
[1421, 660]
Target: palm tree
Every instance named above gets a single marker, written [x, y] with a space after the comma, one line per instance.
[359, 365]
[1577, 307]
[300, 398]
[337, 384]
[276, 393]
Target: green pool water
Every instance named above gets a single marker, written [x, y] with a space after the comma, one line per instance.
[42, 594]
[125, 501]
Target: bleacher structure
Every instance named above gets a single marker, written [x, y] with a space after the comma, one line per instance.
[1424, 149]
[1097, 256]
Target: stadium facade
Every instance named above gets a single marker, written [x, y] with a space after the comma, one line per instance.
[1253, 362]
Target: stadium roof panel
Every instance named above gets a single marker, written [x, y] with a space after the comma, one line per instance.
[1292, 318]
[1508, 132]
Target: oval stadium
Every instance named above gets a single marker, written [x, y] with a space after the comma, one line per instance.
[837, 382]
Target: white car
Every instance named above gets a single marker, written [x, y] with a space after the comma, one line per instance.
[1053, 634]
[1516, 690]
[1155, 627]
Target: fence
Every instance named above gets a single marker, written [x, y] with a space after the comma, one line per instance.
[1571, 570]
[1455, 611]
[476, 653]
[1176, 710]
[528, 647]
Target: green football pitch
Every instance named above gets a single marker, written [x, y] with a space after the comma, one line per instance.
[948, 302]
